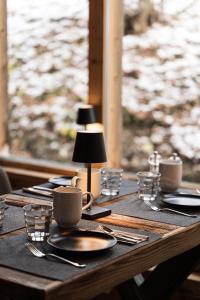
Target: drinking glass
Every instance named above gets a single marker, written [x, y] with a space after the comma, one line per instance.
[148, 185]
[2, 212]
[37, 219]
[111, 181]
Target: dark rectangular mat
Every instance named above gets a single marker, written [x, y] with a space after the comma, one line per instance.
[20, 192]
[13, 254]
[13, 220]
[134, 207]
[127, 187]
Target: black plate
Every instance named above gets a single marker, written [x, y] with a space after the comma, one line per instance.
[61, 180]
[182, 201]
[82, 241]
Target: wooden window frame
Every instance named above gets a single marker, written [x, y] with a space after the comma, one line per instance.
[105, 39]
[3, 74]
[112, 86]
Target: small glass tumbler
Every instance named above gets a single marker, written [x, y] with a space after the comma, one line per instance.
[149, 185]
[37, 219]
[111, 181]
[2, 212]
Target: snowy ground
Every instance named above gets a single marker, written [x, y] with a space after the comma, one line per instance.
[164, 91]
[48, 78]
[48, 51]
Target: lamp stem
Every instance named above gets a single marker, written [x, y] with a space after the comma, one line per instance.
[88, 181]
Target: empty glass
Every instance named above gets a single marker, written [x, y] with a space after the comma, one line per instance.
[148, 185]
[37, 219]
[2, 212]
[111, 181]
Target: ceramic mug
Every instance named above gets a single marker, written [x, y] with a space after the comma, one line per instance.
[80, 181]
[67, 205]
[171, 175]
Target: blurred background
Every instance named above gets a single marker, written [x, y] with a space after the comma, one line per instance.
[48, 79]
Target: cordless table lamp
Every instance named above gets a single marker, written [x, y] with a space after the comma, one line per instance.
[86, 115]
[89, 148]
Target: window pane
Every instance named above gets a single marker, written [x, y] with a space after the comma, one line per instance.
[161, 66]
[48, 75]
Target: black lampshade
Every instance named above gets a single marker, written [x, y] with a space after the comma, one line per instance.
[86, 115]
[89, 147]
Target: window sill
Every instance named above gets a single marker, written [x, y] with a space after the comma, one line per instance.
[37, 165]
[26, 172]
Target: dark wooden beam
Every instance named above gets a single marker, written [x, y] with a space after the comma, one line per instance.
[96, 21]
[3, 74]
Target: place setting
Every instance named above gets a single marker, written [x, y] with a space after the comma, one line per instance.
[62, 237]
[160, 196]
[58, 244]
[107, 184]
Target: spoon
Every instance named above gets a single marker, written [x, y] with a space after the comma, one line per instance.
[156, 208]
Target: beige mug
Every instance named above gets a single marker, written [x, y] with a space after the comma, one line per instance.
[67, 205]
[171, 175]
[80, 181]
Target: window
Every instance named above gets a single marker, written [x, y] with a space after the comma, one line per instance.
[48, 75]
[169, 111]
[99, 86]
[161, 83]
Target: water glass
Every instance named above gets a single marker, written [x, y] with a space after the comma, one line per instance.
[2, 212]
[37, 219]
[148, 185]
[111, 181]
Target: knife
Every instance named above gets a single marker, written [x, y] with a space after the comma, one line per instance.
[37, 192]
[123, 235]
[182, 194]
[125, 241]
[139, 237]
[42, 188]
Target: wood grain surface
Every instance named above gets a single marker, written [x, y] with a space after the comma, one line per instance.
[175, 240]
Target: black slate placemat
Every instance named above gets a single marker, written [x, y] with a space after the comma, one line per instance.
[20, 192]
[134, 207]
[19, 258]
[13, 220]
[127, 187]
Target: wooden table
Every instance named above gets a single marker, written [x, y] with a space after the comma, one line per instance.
[175, 240]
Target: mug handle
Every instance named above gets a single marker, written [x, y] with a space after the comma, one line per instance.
[90, 202]
[74, 180]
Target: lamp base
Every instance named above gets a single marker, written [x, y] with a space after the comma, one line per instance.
[95, 212]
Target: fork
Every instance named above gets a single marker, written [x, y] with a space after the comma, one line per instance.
[156, 208]
[35, 251]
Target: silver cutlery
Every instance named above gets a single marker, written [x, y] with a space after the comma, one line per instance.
[42, 188]
[37, 192]
[135, 236]
[121, 239]
[185, 194]
[156, 208]
[35, 251]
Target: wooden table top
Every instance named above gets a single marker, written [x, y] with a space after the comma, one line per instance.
[175, 240]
